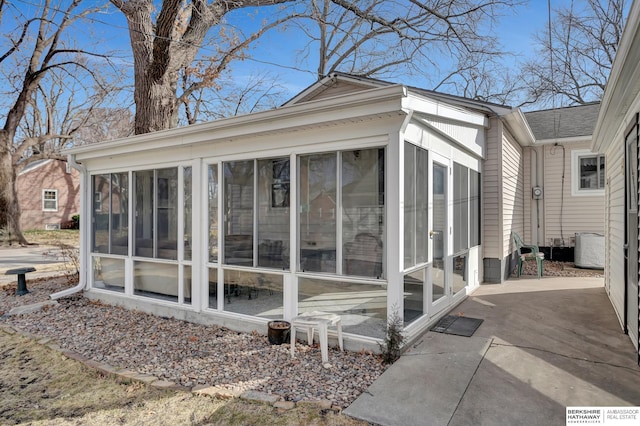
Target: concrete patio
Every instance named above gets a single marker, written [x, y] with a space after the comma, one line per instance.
[544, 345]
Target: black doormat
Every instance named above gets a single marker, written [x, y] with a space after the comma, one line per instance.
[460, 326]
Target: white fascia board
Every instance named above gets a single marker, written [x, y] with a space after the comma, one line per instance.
[386, 100]
[518, 126]
[623, 85]
[431, 107]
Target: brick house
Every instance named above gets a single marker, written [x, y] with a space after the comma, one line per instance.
[48, 193]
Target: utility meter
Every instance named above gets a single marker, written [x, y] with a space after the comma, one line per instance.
[536, 192]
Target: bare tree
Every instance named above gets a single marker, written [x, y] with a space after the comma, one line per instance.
[166, 43]
[577, 52]
[377, 38]
[104, 123]
[37, 54]
[231, 96]
[365, 37]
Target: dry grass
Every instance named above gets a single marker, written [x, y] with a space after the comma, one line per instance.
[68, 237]
[40, 386]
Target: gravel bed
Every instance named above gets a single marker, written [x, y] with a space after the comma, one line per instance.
[190, 354]
[554, 268]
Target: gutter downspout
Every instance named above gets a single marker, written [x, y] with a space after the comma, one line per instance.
[81, 278]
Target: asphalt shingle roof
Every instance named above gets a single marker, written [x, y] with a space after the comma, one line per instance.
[565, 122]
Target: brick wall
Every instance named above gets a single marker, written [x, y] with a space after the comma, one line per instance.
[48, 175]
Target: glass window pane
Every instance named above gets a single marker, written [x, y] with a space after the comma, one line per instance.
[460, 208]
[460, 277]
[422, 206]
[440, 227]
[437, 279]
[186, 282]
[255, 294]
[410, 207]
[601, 173]
[120, 213]
[188, 207]
[143, 182]
[156, 280]
[108, 273]
[167, 225]
[318, 212]
[100, 221]
[238, 213]
[474, 211]
[363, 307]
[213, 288]
[213, 212]
[589, 172]
[413, 296]
[363, 212]
[273, 213]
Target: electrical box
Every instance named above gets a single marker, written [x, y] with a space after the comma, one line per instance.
[536, 192]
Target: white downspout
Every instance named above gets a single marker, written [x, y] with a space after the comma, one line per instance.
[82, 254]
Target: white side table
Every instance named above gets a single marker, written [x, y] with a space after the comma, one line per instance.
[321, 321]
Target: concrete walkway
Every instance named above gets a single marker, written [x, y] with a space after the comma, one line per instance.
[48, 261]
[544, 345]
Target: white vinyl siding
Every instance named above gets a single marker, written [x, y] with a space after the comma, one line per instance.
[614, 218]
[491, 189]
[512, 191]
[528, 233]
[565, 214]
[340, 88]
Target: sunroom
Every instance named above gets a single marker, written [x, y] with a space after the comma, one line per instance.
[354, 198]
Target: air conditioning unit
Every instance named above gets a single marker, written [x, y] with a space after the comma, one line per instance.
[589, 250]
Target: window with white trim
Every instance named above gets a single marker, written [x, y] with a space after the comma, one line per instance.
[50, 200]
[588, 172]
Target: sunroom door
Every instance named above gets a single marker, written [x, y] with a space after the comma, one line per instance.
[439, 235]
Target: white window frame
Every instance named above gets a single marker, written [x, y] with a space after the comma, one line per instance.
[44, 200]
[576, 191]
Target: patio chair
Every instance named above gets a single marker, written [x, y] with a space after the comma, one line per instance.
[528, 252]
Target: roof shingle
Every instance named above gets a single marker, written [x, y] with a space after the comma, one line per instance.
[568, 122]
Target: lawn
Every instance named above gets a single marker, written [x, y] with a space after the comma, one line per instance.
[69, 237]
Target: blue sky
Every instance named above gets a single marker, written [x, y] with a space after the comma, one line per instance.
[109, 33]
[516, 34]
[275, 52]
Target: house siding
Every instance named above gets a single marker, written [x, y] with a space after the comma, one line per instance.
[512, 192]
[337, 89]
[50, 175]
[565, 214]
[528, 203]
[461, 133]
[614, 218]
[491, 189]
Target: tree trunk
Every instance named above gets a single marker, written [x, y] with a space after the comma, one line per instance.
[156, 107]
[9, 207]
